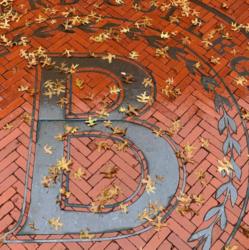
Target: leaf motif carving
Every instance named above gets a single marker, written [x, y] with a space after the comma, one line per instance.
[221, 101]
[109, 26]
[42, 32]
[209, 83]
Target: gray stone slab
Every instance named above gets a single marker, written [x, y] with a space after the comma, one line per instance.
[161, 161]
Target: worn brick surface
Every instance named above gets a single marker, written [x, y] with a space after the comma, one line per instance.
[194, 107]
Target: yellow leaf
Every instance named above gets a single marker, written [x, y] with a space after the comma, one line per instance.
[60, 137]
[165, 35]
[175, 127]
[124, 208]
[32, 226]
[122, 110]
[86, 235]
[64, 193]
[144, 98]
[147, 82]
[150, 185]
[114, 90]
[102, 145]
[119, 2]
[122, 146]
[27, 118]
[79, 174]
[102, 113]
[109, 57]
[67, 52]
[48, 149]
[133, 55]
[225, 166]
[215, 60]
[79, 83]
[158, 132]
[91, 121]
[229, 247]
[110, 172]
[64, 164]
[204, 143]
[189, 149]
[55, 223]
[241, 81]
[158, 224]
[62, 102]
[71, 130]
[23, 88]
[8, 126]
[118, 131]
[108, 124]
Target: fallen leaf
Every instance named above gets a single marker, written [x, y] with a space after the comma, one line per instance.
[204, 143]
[201, 175]
[48, 149]
[91, 121]
[144, 98]
[133, 55]
[23, 88]
[103, 145]
[63, 164]
[225, 166]
[107, 124]
[109, 57]
[55, 223]
[229, 247]
[158, 132]
[27, 118]
[124, 208]
[64, 193]
[110, 172]
[79, 83]
[86, 235]
[8, 126]
[32, 226]
[68, 52]
[148, 82]
[241, 81]
[79, 174]
[150, 185]
[115, 90]
[122, 146]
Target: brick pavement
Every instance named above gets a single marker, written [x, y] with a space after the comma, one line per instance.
[204, 44]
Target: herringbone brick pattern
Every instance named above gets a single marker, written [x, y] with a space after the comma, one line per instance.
[194, 108]
[102, 169]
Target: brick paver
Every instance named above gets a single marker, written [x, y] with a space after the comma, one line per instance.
[198, 54]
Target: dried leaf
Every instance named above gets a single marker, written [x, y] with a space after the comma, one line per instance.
[63, 164]
[8, 126]
[110, 172]
[150, 185]
[55, 223]
[79, 174]
[144, 98]
[86, 235]
[124, 208]
[109, 57]
[225, 166]
[91, 121]
[48, 149]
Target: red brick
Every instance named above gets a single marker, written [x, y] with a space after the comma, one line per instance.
[9, 138]
[195, 109]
